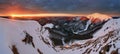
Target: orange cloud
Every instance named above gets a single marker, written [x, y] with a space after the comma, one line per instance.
[18, 9]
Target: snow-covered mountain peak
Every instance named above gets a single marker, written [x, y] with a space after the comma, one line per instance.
[29, 37]
[99, 16]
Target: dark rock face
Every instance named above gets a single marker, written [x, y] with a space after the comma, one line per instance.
[68, 28]
[14, 50]
[28, 39]
[115, 17]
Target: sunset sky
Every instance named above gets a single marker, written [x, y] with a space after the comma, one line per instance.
[60, 6]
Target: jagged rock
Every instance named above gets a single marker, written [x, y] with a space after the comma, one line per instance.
[67, 28]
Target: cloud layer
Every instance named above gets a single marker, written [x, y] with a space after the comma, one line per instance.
[69, 6]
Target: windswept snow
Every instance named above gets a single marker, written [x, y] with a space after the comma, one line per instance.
[111, 25]
[12, 33]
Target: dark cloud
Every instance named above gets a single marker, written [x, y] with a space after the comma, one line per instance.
[72, 6]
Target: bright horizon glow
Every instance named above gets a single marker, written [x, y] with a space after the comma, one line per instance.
[46, 15]
[31, 16]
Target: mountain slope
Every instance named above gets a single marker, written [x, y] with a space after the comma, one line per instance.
[29, 37]
[105, 41]
[23, 37]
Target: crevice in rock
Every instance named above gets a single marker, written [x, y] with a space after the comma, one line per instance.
[39, 51]
[46, 42]
[28, 39]
[14, 49]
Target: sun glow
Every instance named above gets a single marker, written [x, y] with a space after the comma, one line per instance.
[40, 15]
[33, 16]
[95, 17]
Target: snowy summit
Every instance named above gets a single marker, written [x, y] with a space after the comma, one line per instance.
[99, 16]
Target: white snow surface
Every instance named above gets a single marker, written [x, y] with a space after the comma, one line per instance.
[12, 32]
[50, 25]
